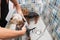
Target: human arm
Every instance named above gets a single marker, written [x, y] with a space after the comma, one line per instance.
[18, 7]
[7, 33]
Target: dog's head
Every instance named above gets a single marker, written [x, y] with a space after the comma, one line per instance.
[17, 19]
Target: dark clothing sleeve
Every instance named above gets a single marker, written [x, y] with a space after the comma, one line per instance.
[4, 12]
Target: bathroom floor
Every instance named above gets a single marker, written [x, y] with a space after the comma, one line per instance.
[40, 32]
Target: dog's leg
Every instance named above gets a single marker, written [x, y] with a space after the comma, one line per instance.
[36, 19]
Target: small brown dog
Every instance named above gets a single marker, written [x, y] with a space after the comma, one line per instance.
[29, 15]
[15, 23]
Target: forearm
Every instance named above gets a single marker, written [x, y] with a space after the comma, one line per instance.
[18, 8]
[6, 33]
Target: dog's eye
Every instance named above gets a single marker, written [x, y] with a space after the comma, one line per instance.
[11, 18]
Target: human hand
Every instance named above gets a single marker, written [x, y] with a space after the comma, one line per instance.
[24, 28]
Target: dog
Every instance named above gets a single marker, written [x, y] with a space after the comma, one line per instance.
[16, 23]
[29, 15]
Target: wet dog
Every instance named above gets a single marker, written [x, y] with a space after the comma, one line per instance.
[30, 15]
[16, 23]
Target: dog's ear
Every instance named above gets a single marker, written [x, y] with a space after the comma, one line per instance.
[20, 22]
[20, 25]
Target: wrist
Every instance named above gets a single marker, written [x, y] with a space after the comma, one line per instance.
[22, 32]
